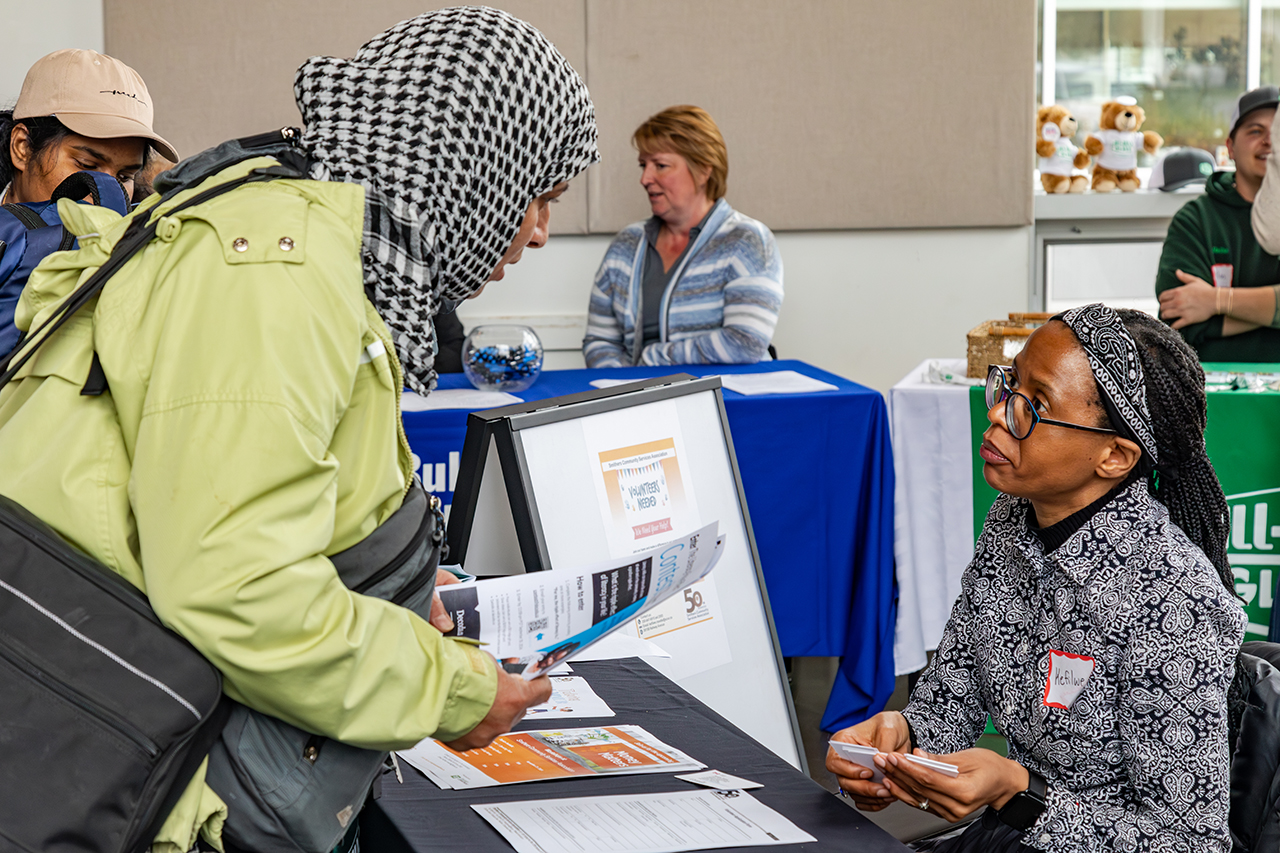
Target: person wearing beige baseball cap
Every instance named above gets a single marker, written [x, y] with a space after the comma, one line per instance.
[78, 110]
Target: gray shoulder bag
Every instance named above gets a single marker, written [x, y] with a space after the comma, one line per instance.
[290, 791]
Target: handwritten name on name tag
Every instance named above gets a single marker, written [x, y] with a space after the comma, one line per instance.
[1068, 675]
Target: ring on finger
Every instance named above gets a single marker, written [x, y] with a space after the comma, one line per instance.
[924, 805]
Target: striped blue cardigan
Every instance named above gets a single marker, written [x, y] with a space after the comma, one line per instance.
[720, 306]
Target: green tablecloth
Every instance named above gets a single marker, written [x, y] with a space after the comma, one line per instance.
[1243, 438]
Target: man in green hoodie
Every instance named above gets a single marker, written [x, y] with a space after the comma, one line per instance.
[1216, 285]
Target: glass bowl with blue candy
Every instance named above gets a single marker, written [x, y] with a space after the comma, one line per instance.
[502, 358]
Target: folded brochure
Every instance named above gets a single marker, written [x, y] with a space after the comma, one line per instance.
[548, 754]
[543, 618]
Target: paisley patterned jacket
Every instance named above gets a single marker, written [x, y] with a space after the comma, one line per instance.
[1138, 759]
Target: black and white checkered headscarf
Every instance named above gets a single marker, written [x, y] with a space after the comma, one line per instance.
[453, 122]
[1117, 368]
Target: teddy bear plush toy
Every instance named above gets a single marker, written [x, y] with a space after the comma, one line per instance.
[1060, 159]
[1116, 145]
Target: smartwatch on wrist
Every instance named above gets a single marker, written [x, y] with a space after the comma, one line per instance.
[1025, 807]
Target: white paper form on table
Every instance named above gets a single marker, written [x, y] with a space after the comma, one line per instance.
[775, 382]
[642, 823]
[471, 399]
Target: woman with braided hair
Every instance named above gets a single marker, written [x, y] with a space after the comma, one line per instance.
[1097, 625]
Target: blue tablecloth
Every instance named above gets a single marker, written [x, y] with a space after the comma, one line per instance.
[818, 474]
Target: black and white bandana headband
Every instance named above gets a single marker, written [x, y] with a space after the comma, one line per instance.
[453, 122]
[1117, 368]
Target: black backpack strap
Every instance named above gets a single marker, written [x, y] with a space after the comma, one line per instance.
[137, 235]
[76, 186]
[26, 216]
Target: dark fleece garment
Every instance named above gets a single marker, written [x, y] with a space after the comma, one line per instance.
[1214, 229]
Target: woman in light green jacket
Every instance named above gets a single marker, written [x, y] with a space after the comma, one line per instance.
[255, 352]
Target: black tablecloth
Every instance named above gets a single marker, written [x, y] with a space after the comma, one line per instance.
[417, 816]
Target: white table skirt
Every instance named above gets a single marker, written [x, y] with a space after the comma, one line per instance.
[933, 506]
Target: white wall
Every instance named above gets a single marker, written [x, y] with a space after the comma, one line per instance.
[35, 29]
[867, 305]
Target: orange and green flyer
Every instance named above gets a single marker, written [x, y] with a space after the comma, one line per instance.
[548, 754]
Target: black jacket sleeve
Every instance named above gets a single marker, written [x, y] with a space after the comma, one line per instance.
[449, 336]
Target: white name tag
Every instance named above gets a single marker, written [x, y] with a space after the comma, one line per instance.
[1068, 675]
[1222, 274]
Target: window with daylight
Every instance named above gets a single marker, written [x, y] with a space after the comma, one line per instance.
[1184, 61]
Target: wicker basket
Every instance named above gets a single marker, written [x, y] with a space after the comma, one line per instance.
[998, 341]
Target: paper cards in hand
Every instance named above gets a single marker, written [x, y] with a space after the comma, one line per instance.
[863, 756]
[549, 754]
[642, 823]
[547, 617]
[859, 755]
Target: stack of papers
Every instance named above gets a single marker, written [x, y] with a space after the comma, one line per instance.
[536, 756]
[642, 823]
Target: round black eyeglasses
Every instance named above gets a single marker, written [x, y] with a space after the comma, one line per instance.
[1020, 416]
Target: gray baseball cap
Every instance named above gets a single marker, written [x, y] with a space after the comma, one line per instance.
[1254, 99]
[1180, 167]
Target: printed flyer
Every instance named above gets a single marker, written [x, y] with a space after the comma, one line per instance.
[544, 618]
[551, 754]
[645, 497]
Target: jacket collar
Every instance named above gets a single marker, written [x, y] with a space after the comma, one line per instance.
[1121, 523]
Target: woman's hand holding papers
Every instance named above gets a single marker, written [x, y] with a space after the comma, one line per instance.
[985, 778]
[887, 732]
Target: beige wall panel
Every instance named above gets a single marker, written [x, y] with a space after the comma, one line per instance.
[219, 70]
[837, 113]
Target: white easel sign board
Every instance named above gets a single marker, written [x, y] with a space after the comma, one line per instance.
[576, 480]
